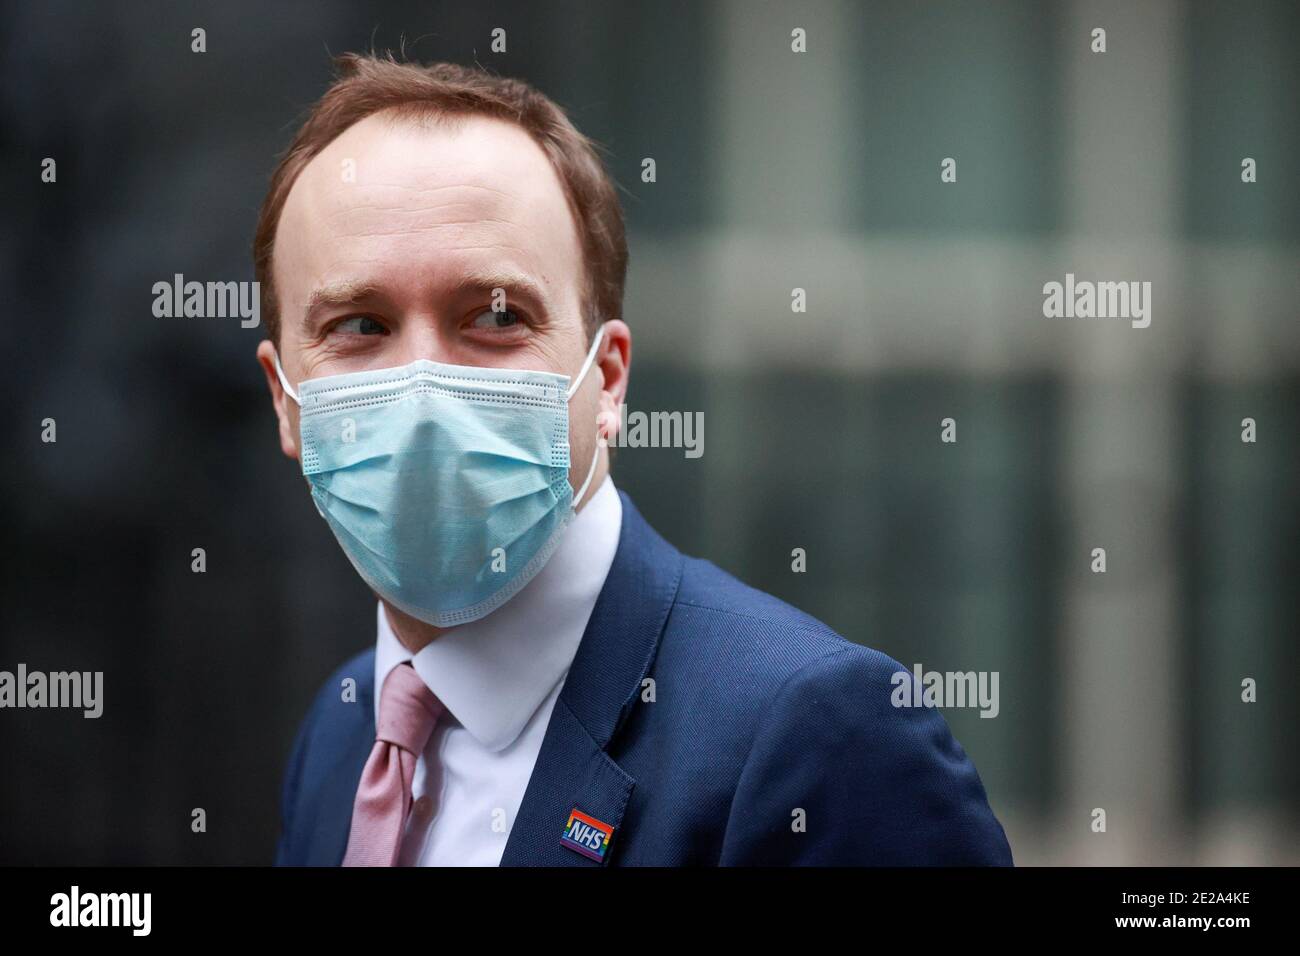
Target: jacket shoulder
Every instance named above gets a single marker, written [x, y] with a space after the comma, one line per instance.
[360, 668]
[842, 772]
[741, 626]
[824, 738]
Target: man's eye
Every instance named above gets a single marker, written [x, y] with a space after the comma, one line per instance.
[504, 319]
[360, 325]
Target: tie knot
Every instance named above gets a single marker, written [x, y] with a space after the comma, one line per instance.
[408, 710]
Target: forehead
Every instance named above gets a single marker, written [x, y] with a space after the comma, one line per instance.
[392, 192]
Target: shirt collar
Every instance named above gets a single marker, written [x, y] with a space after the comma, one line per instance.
[492, 674]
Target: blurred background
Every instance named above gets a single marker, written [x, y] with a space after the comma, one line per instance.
[775, 171]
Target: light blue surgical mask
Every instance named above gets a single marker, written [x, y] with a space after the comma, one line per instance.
[446, 485]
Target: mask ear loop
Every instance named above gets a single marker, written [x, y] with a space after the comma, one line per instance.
[284, 382]
[591, 357]
[600, 440]
[591, 472]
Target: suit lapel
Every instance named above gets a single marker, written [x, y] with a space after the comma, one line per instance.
[573, 769]
[571, 772]
[338, 790]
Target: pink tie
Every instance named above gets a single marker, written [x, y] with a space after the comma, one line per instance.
[408, 711]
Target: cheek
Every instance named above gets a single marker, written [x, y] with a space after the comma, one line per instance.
[293, 419]
[584, 411]
[582, 435]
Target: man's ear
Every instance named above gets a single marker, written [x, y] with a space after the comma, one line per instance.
[287, 416]
[614, 361]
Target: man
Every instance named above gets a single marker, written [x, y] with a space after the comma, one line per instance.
[441, 257]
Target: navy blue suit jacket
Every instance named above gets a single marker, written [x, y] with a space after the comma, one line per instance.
[759, 711]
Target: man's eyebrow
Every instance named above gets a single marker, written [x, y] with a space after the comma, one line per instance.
[335, 294]
[516, 284]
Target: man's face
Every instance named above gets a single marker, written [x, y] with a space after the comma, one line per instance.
[389, 249]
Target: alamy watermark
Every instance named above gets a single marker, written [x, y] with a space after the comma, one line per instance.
[948, 689]
[208, 300]
[75, 908]
[1098, 300]
[78, 689]
[660, 429]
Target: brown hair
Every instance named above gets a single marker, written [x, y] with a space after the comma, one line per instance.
[367, 84]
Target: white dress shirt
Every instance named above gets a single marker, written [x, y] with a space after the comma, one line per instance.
[499, 678]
